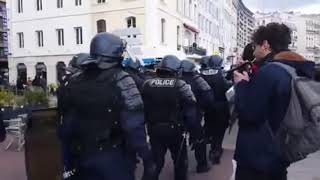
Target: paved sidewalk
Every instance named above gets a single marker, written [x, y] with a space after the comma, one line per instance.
[307, 169]
[12, 165]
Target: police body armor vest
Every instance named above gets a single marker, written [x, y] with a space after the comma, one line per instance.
[161, 101]
[217, 83]
[95, 99]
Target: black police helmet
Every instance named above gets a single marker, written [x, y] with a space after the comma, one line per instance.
[204, 62]
[76, 61]
[170, 63]
[188, 66]
[105, 48]
[215, 62]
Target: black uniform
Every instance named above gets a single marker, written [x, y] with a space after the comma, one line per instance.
[103, 117]
[170, 109]
[205, 100]
[217, 120]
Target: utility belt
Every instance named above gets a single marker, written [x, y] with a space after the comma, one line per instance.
[92, 145]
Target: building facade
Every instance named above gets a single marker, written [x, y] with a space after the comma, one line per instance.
[3, 38]
[228, 29]
[246, 24]
[45, 34]
[305, 31]
[208, 23]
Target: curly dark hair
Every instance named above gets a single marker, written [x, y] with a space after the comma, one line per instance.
[277, 35]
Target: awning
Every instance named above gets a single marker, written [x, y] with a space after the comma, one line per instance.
[191, 28]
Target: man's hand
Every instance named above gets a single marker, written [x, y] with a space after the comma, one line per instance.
[237, 76]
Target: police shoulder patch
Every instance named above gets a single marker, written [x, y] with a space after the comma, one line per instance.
[162, 82]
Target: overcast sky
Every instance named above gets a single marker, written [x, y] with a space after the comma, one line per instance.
[304, 6]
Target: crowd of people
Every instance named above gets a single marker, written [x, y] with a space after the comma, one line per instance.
[108, 109]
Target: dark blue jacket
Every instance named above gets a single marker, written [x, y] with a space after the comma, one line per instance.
[262, 103]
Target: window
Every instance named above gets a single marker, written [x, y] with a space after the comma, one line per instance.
[61, 71]
[78, 2]
[101, 1]
[20, 6]
[101, 26]
[2, 53]
[59, 3]
[78, 35]
[39, 5]
[22, 72]
[163, 24]
[60, 34]
[40, 38]
[131, 22]
[20, 40]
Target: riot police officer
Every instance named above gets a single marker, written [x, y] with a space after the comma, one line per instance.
[169, 109]
[217, 120]
[76, 61]
[205, 100]
[74, 68]
[134, 69]
[103, 116]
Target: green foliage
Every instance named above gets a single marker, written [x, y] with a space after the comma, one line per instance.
[35, 96]
[53, 86]
[7, 98]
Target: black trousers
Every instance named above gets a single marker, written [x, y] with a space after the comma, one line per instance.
[200, 152]
[245, 173]
[177, 146]
[114, 164]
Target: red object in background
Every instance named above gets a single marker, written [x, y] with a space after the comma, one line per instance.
[254, 68]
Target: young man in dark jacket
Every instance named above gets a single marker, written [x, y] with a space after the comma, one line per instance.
[262, 103]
